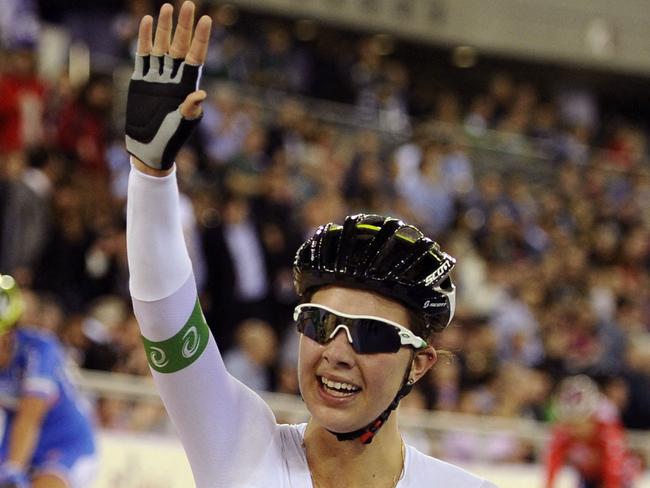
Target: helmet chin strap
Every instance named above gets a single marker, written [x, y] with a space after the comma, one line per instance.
[367, 434]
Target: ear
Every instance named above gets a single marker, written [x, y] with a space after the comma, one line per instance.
[422, 362]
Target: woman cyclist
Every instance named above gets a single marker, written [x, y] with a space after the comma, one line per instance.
[373, 291]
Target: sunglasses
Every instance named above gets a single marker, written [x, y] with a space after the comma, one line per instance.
[366, 334]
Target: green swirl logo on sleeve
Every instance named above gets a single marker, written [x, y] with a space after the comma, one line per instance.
[181, 350]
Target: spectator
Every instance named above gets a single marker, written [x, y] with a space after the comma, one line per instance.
[82, 126]
[25, 218]
[252, 359]
[22, 105]
[239, 280]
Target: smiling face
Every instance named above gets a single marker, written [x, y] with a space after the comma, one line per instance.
[343, 390]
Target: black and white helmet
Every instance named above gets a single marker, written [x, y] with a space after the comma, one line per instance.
[385, 255]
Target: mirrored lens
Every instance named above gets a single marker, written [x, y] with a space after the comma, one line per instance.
[372, 336]
[368, 336]
[312, 324]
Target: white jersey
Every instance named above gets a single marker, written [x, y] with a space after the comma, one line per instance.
[229, 433]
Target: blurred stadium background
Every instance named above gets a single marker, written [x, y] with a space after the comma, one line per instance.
[516, 133]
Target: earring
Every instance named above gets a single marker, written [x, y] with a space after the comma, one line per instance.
[410, 381]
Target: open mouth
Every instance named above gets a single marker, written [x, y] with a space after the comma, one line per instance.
[337, 388]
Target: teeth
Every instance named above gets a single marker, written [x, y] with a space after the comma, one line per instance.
[335, 385]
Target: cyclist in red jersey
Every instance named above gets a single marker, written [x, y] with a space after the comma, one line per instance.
[589, 436]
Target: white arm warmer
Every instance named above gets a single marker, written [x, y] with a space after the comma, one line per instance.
[158, 259]
[225, 428]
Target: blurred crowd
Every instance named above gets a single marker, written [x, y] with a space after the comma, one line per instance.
[545, 205]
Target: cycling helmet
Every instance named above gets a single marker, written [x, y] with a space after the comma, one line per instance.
[11, 303]
[385, 255]
[578, 398]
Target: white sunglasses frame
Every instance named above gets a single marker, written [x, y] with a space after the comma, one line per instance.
[407, 337]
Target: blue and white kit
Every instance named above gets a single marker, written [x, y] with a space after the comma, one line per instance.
[229, 433]
[66, 444]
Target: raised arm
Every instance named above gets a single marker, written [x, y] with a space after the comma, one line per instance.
[224, 427]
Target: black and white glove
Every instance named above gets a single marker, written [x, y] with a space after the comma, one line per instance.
[155, 128]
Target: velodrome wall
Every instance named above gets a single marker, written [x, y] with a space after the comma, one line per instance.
[150, 461]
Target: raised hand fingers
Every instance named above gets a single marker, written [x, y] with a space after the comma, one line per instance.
[144, 35]
[163, 31]
[192, 48]
[183, 33]
[200, 41]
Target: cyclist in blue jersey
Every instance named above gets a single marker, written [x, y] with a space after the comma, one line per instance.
[47, 438]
